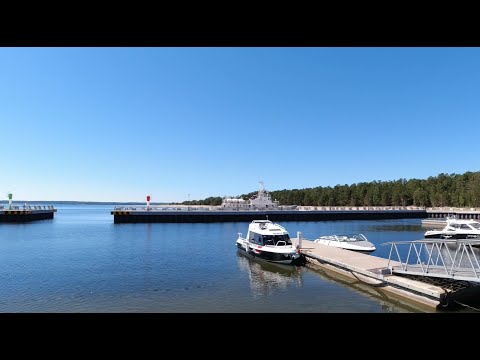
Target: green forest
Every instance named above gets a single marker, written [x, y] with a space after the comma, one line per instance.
[453, 190]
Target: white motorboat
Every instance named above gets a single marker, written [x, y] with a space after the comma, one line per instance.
[271, 242]
[456, 229]
[355, 242]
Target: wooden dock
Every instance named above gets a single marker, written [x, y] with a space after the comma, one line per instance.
[434, 223]
[375, 271]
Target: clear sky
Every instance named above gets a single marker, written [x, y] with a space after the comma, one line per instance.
[117, 124]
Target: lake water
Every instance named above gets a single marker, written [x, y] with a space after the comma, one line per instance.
[81, 261]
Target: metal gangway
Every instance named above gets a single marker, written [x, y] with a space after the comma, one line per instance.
[456, 259]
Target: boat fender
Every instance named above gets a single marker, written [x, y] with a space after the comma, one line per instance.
[445, 301]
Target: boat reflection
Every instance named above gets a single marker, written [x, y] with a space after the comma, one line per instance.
[267, 277]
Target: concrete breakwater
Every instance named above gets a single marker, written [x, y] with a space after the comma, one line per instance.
[459, 213]
[183, 214]
[26, 213]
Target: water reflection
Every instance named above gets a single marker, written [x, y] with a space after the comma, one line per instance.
[396, 227]
[265, 277]
[389, 302]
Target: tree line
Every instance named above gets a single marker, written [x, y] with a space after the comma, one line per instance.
[452, 190]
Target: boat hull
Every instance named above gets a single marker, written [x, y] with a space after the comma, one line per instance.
[274, 257]
[363, 249]
[452, 236]
[352, 242]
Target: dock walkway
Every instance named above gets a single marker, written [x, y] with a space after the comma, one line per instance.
[457, 259]
[376, 271]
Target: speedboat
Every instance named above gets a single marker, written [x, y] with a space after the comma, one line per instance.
[355, 242]
[270, 242]
[456, 229]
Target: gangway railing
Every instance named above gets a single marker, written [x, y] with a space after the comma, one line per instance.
[442, 258]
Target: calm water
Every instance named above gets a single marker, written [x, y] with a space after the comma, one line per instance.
[82, 262]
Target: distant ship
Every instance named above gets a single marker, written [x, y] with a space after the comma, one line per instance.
[261, 201]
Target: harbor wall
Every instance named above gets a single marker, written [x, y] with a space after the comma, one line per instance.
[13, 216]
[459, 213]
[248, 216]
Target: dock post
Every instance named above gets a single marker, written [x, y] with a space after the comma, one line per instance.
[299, 237]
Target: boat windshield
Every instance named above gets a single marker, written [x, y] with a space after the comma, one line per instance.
[356, 237]
[346, 238]
[476, 225]
[274, 239]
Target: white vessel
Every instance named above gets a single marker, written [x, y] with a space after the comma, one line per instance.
[261, 201]
[355, 242]
[456, 229]
[271, 242]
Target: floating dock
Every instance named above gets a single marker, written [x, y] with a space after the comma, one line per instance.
[392, 278]
[434, 223]
[17, 214]
[184, 214]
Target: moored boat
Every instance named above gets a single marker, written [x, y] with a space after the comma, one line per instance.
[270, 242]
[456, 229]
[355, 242]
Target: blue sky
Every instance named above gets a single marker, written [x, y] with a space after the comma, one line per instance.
[117, 124]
